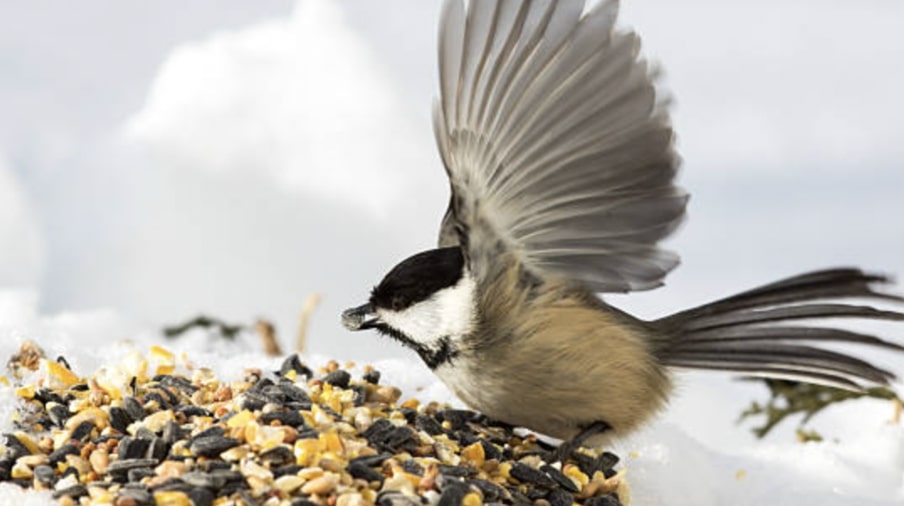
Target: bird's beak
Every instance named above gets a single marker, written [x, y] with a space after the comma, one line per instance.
[359, 318]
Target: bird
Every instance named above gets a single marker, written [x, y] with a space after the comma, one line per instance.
[556, 138]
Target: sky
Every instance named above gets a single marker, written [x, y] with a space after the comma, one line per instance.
[231, 158]
[163, 159]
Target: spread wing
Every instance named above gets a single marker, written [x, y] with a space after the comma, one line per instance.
[555, 142]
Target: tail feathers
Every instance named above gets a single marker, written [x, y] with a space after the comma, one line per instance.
[818, 285]
[750, 332]
[788, 313]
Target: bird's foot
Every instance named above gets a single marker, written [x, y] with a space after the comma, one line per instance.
[564, 450]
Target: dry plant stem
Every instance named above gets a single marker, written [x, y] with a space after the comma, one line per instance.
[267, 333]
[307, 309]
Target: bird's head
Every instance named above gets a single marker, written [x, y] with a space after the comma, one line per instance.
[426, 302]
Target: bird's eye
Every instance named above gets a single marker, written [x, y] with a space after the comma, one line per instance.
[398, 303]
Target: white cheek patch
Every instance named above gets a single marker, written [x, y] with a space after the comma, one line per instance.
[447, 313]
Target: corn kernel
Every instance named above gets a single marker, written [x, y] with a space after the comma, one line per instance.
[59, 374]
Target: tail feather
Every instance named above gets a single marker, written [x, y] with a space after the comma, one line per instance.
[795, 357]
[750, 332]
[774, 371]
[830, 283]
[787, 313]
[766, 333]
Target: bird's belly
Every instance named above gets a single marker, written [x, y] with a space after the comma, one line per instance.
[503, 399]
[559, 390]
[560, 411]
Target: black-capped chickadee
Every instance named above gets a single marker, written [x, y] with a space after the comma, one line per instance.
[561, 162]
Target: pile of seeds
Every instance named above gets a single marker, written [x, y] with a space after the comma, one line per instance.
[125, 436]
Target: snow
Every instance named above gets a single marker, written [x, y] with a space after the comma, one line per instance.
[694, 454]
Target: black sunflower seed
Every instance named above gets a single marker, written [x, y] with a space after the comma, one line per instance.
[172, 432]
[428, 424]
[603, 500]
[58, 414]
[231, 487]
[363, 472]
[409, 414]
[372, 376]
[214, 430]
[298, 405]
[534, 493]
[456, 471]
[123, 466]
[560, 478]
[371, 460]
[360, 394]
[293, 392]
[119, 419]
[158, 449]
[277, 456]
[260, 385]
[559, 497]
[385, 436]
[133, 408]
[338, 378]
[191, 411]
[59, 455]
[293, 363]
[14, 447]
[210, 466]
[74, 492]
[46, 395]
[275, 394]
[397, 499]
[285, 470]
[453, 493]
[253, 401]
[228, 474]
[308, 433]
[132, 448]
[491, 491]
[457, 418]
[212, 446]
[45, 474]
[158, 398]
[606, 462]
[490, 450]
[145, 433]
[201, 497]
[287, 418]
[527, 474]
[168, 392]
[139, 473]
[173, 485]
[181, 383]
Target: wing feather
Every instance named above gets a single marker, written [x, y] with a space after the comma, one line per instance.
[557, 145]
